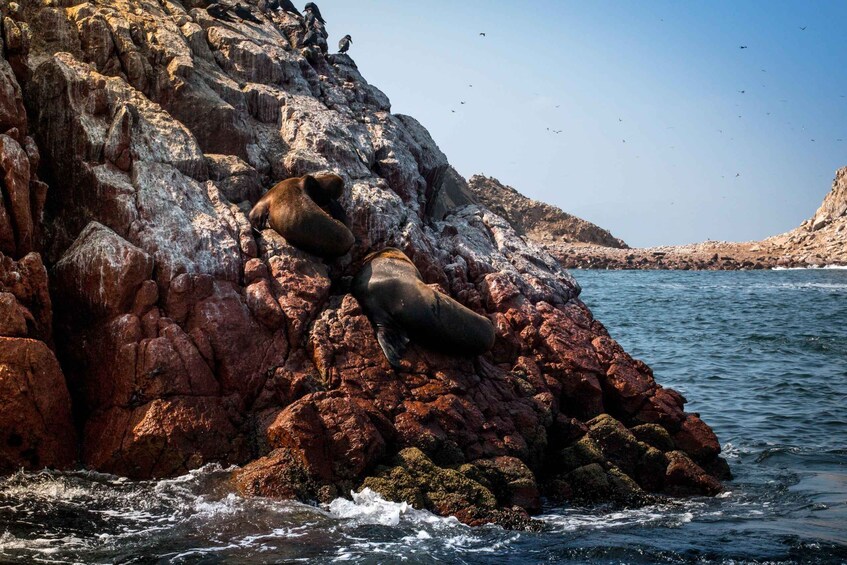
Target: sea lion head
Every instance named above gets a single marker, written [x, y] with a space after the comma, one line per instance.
[326, 187]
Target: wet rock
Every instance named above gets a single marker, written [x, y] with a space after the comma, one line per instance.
[414, 478]
[35, 415]
[684, 477]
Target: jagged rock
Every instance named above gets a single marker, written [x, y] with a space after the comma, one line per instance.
[156, 128]
[101, 272]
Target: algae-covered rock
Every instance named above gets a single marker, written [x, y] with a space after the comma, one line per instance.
[655, 436]
[413, 477]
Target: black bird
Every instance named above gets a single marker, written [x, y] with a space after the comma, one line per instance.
[742, 47]
[742, 91]
[462, 102]
[737, 175]
[288, 6]
[313, 9]
[802, 29]
[344, 44]
[245, 13]
[219, 11]
[482, 33]
[266, 6]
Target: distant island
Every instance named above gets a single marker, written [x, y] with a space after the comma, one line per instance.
[578, 244]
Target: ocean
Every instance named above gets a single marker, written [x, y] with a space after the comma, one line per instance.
[760, 355]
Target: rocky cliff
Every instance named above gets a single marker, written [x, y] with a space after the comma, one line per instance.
[147, 330]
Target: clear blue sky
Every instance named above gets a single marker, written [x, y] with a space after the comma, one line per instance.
[664, 75]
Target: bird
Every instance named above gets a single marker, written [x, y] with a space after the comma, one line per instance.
[482, 33]
[737, 175]
[624, 141]
[462, 102]
[245, 13]
[344, 43]
[742, 91]
[839, 140]
[803, 28]
[219, 11]
[288, 6]
[620, 120]
[470, 86]
[454, 111]
[742, 47]
[312, 9]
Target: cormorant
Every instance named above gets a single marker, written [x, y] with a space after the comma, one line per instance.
[219, 11]
[313, 9]
[245, 13]
[288, 6]
[344, 44]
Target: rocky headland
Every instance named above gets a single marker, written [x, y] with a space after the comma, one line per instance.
[818, 242]
[146, 330]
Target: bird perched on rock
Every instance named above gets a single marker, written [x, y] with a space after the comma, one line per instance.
[288, 6]
[245, 13]
[344, 44]
[266, 6]
[313, 15]
[219, 11]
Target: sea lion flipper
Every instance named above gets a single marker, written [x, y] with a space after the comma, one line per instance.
[393, 342]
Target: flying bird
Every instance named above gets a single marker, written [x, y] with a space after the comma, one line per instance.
[803, 28]
[742, 47]
[344, 43]
[742, 91]
[462, 102]
[482, 33]
[737, 175]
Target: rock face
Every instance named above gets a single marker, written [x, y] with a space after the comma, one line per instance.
[184, 338]
[542, 223]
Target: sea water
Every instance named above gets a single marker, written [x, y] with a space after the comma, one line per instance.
[761, 356]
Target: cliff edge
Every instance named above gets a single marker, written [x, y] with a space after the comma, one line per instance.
[147, 330]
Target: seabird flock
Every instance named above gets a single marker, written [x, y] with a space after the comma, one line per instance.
[743, 91]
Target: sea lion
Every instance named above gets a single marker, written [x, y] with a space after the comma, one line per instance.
[293, 209]
[402, 308]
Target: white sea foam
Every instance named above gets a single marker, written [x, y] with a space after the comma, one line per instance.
[669, 515]
[810, 267]
[368, 507]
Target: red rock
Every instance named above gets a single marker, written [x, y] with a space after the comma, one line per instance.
[14, 163]
[35, 414]
[335, 436]
[163, 437]
[697, 439]
[684, 477]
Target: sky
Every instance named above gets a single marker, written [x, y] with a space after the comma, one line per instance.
[670, 132]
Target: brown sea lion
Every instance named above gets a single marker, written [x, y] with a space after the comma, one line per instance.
[294, 209]
[402, 308]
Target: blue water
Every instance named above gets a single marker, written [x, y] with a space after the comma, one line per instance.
[762, 356]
